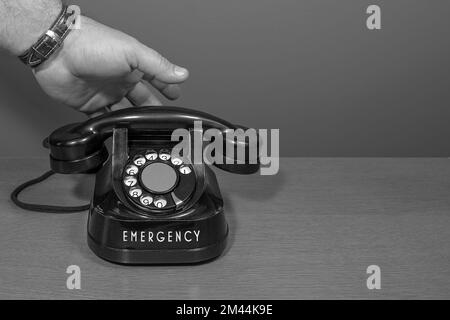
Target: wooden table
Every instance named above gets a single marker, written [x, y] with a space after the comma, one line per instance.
[309, 232]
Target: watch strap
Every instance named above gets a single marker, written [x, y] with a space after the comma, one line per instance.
[50, 41]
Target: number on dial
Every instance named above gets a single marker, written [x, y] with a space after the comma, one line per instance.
[130, 181]
[146, 200]
[135, 192]
[131, 170]
[139, 160]
[164, 155]
[185, 170]
[177, 161]
[151, 155]
[160, 203]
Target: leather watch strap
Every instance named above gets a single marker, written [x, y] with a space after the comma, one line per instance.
[50, 41]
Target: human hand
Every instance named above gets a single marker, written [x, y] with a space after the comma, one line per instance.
[100, 67]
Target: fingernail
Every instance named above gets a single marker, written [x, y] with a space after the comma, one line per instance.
[180, 71]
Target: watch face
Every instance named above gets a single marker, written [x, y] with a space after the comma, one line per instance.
[157, 182]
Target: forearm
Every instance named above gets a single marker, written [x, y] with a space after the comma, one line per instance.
[22, 22]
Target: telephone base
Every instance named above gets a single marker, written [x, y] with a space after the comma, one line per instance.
[158, 256]
[115, 235]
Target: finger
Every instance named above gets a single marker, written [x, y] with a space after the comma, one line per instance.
[98, 113]
[170, 91]
[155, 66]
[122, 104]
[95, 106]
[141, 95]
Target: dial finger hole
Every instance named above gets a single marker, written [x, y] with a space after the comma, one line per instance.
[131, 170]
[164, 155]
[146, 200]
[139, 160]
[176, 161]
[151, 155]
[185, 170]
[130, 181]
[135, 192]
[160, 202]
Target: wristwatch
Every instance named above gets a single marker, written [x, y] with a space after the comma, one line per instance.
[49, 42]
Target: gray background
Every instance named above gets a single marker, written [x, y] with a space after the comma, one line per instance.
[308, 67]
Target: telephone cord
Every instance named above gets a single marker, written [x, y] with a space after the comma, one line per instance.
[41, 207]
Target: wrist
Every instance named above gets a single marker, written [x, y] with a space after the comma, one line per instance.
[34, 23]
[51, 41]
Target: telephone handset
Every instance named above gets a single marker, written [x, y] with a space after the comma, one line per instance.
[149, 207]
[79, 148]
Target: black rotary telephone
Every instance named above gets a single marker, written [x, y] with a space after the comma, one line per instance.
[148, 207]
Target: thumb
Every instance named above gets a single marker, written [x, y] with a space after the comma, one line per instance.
[155, 66]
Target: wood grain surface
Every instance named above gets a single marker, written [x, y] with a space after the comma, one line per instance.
[308, 233]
